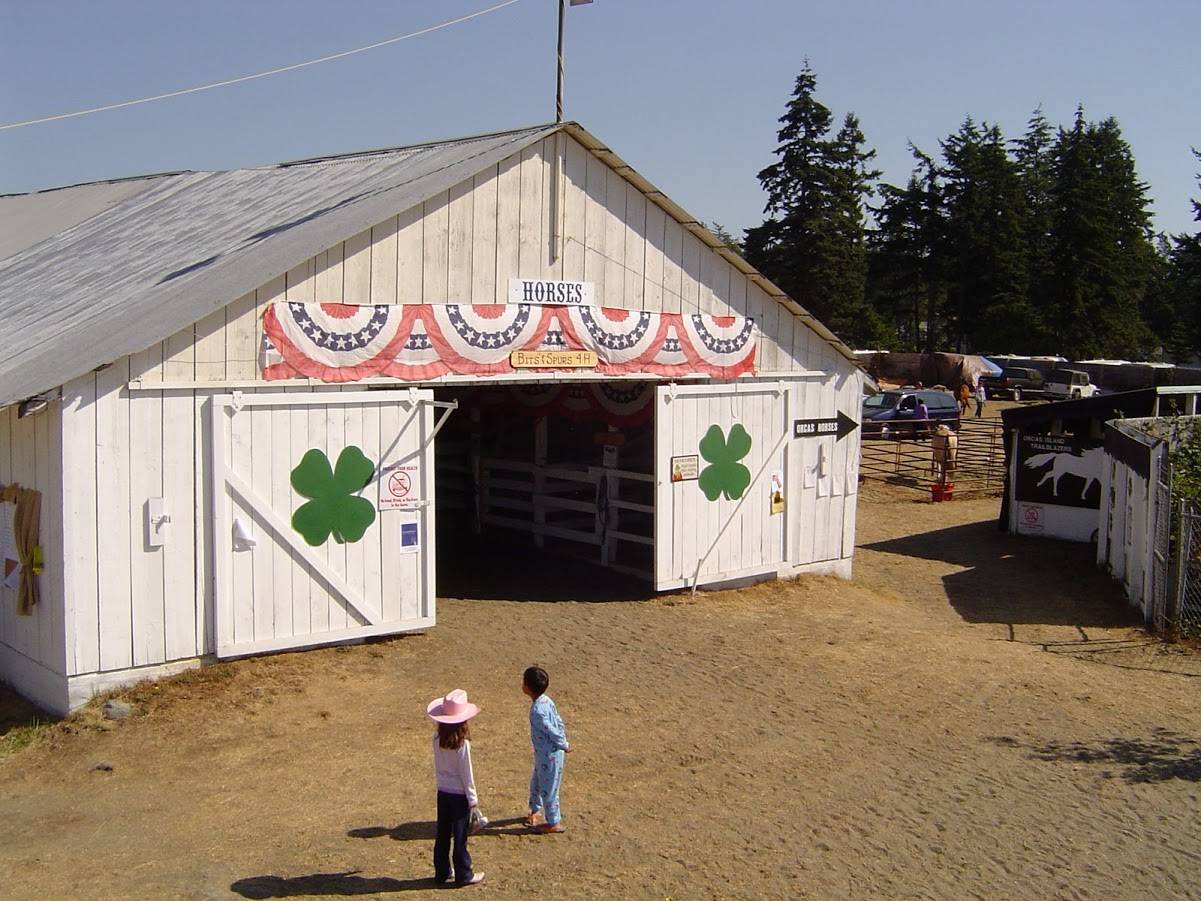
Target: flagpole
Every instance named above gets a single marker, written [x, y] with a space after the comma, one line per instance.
[559, 87]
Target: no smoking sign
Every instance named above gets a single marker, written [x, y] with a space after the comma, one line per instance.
[398, 488]
[1030, 517]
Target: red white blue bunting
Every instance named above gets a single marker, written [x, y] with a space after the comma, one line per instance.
[622, 403]
[418, 342]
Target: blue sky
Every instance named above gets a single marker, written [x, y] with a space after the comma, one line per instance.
[687, 91]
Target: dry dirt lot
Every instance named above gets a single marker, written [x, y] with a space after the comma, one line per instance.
[974, 716]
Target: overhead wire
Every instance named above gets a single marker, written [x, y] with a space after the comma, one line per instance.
[269, 72]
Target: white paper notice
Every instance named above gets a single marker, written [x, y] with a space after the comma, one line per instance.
[410, 538]
[823, 487]
[10, 561]
[839, 486]
[810, 476]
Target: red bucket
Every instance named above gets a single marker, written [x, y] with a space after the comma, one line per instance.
[942, 492]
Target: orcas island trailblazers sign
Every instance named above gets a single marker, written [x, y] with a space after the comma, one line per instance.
[562, 294]
[1059, 471]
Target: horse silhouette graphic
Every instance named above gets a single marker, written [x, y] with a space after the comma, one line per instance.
[1087, 466]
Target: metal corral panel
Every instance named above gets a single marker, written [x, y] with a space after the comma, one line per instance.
[167, 256]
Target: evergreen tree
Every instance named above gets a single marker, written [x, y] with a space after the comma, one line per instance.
[908, 284]
[1101, 244]
[722, 234]
[984, 249]
[813, 245]
[1035, 164]
[1159, 307]
[1180, 297]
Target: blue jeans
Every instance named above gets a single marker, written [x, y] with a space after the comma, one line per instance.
[544, 785]
[454, 819]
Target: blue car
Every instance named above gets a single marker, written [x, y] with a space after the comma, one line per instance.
[893, 413]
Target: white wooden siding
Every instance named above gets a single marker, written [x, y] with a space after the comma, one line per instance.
[30, 455]
[347, 590]
[818, 526]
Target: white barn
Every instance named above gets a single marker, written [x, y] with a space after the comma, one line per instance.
[170, 353]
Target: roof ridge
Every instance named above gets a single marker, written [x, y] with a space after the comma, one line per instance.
[100, 181]
[284, 164]
[380, 151]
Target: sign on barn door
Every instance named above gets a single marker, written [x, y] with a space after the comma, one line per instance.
[717, 525]
[309, 547]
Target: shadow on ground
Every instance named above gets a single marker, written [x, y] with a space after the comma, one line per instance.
[505, 566]
[16, 713]
[423, 830]
[1016, 581]
[347, 883]
[1164, 756]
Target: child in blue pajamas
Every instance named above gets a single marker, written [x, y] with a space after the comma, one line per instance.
[549, 739]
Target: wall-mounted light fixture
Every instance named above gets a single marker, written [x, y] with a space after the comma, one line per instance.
[32, 405]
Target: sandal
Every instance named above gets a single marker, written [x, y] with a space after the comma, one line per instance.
[533, 820]
[545, 828]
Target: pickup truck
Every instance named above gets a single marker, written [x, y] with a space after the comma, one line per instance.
[1014, 381]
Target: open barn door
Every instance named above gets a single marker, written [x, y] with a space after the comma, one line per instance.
[323, 510]
[717, 448]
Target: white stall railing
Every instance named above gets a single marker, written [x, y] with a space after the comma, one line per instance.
[584, 505]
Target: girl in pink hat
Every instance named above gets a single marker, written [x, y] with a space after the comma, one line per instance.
[456, 786]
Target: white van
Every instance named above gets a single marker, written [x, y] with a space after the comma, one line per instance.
[1070, 384]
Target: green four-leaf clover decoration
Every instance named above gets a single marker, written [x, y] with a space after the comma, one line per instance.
[334, 507]
[724, 474]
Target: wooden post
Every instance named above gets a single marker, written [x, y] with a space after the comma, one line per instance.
[559, 80]
[540, 446]
[476, 473]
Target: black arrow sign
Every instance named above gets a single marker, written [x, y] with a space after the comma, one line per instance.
[842, 426]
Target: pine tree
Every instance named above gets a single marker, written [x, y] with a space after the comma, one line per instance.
[722, 234]
[985, 249]
[906, 272]
[1181, 292]
[813, 244]
[1101, 244]
[1035, 164]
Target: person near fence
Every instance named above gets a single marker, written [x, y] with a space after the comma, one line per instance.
[963, 396]
[981, 397]
[549, 740]
[455, 778]
[922, 418]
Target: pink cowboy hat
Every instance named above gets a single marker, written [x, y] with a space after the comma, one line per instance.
[454, 708]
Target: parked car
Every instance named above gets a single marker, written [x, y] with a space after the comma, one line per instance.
[1014, 381]
[893, 414]
[1070, 384]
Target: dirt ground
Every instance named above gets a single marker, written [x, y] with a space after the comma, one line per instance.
[973, 716]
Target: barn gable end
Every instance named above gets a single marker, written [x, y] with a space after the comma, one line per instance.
[463, 244]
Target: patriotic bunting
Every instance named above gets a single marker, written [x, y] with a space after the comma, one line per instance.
[419, 342]
[615, 403]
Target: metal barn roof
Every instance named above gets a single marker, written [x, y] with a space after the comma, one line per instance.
[28, 219]
[93, 272]
[190, 243]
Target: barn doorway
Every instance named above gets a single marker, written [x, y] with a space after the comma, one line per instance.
[545, 491]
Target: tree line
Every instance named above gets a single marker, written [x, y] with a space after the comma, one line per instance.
[1036, 244]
